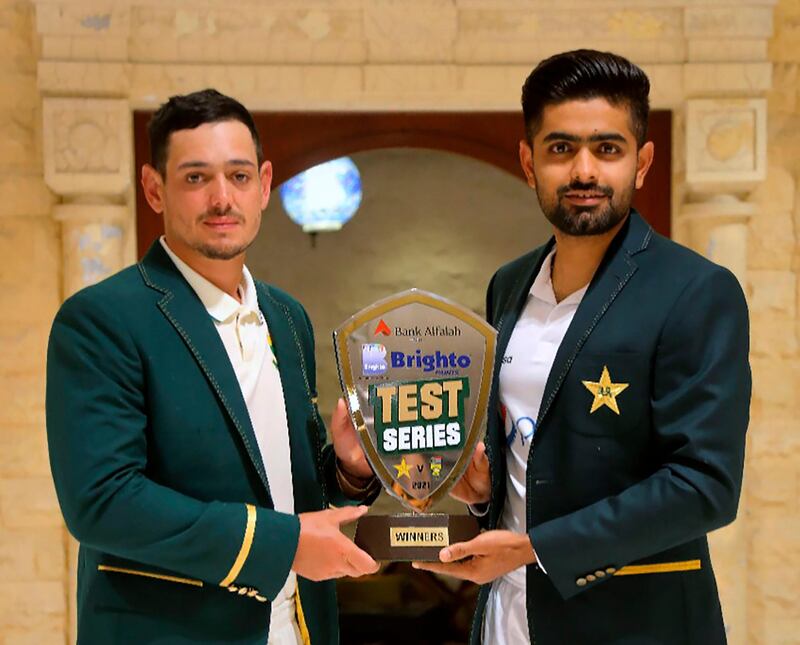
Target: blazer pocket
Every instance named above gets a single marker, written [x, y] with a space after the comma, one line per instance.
[607, 394]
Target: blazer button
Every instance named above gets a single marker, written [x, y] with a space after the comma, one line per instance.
[233, 588]
[611, 571]
[591, 578]
[261, 599]
[600, 574]
[243, 591]
[581, 582]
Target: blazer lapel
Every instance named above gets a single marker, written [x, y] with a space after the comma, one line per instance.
[184, 310]
[297, 393]
[609, 280]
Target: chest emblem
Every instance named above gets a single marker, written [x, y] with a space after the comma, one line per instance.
[605, 392]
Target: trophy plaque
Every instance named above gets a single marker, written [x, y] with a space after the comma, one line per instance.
[416, 370]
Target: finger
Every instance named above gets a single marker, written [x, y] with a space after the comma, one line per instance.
[340, 418]
[459, 570]
[458, 551]
[360, 562]
[479, 459]
[347, 514]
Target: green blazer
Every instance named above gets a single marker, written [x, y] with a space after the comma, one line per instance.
[619, 505]
[157, 469]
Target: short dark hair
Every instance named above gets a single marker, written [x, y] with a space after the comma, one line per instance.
[585, 74]
[188, 111]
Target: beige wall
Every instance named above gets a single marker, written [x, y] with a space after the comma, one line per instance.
[33, 606]
[34, 584]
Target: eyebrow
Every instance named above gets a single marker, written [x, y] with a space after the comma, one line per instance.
[600, 136]
[203, 164]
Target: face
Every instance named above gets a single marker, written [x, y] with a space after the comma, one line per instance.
[585, 166]
[213, 192]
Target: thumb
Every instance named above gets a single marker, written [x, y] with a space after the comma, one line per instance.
[457, 551]
[479, 459]
[347, 514]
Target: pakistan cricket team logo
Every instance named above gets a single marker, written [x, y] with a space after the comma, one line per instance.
[416, 370]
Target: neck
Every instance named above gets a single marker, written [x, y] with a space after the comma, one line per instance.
[223, 274]
[577, 259]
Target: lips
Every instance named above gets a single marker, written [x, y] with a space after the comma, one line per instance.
[221, 223]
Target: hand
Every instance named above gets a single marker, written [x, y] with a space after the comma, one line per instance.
[490, 555]
[323, 552]
[346, 445]
[474, 487]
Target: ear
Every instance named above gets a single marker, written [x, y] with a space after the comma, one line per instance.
[526, 161]
[265, 174]
[643, 162]
[153, 186]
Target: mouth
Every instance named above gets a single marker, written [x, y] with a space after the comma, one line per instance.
[585, 198]
[223, 223]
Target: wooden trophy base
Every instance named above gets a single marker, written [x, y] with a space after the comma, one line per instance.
[410, 537]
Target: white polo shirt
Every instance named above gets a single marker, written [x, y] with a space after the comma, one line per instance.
[526, 366]
[245, 335]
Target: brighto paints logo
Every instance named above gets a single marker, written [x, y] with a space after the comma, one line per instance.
[443, 364]
[373, 359]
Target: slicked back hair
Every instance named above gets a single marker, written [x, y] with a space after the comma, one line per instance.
[582, 75]
[188, 111]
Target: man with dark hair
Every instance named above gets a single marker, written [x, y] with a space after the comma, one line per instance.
[184, 436]
[617, 422]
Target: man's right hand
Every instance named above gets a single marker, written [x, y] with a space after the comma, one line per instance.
[474, 487]
[324, 552]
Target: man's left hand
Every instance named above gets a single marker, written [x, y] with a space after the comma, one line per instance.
[484, 558]
[346, 445]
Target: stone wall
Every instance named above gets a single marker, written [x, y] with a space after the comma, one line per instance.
[77, 67]
[33, 597]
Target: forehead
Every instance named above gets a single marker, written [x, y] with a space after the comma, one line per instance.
[211, 143]
[586, 117]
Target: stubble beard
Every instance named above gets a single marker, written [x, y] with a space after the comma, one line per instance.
[580, 221]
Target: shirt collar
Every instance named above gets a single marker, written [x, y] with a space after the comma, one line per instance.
[220, 305]
[542, 287]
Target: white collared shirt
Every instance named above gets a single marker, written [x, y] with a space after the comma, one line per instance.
[245, 335]
[527, 362]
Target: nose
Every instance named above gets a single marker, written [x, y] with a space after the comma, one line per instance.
[584, 169]
[219, 196]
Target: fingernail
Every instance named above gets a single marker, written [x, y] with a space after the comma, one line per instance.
[415, 565]
[444, 555]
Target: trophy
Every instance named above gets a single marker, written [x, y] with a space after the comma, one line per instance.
[416, 370]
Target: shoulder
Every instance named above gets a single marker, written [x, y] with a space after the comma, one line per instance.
[282, 299]
[679, 269]
[109, 298]
[519, 267]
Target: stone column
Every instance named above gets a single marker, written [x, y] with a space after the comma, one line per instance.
[88, 146]
[725, 160]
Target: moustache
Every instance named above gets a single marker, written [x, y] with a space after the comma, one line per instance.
[229, 212]
[606, 191]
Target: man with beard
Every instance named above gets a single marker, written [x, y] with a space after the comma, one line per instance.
[617, 421]
[184, 435]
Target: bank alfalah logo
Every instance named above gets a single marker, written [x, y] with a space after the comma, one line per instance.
[382, 328]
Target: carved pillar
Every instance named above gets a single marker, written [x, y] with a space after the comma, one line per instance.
[725, 159]
[87, 160]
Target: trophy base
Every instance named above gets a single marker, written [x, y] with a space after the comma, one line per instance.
[408, 537]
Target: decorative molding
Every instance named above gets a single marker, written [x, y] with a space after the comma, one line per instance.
[87, 146]
[726, 144]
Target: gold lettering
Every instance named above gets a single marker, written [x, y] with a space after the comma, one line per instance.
[407, 403]
[431, 397]
[386, 392]
[452, 388]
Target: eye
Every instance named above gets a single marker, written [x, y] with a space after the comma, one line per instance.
[559, 148]
[194, 178]
[241, 177]
[608, 148]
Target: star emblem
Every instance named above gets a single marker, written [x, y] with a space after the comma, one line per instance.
[403, 470]
[605, 392]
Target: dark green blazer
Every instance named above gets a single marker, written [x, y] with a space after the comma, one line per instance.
[618, 506]
[158, 472]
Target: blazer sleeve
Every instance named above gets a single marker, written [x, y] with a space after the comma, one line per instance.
[97, 439]
[700, 408]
